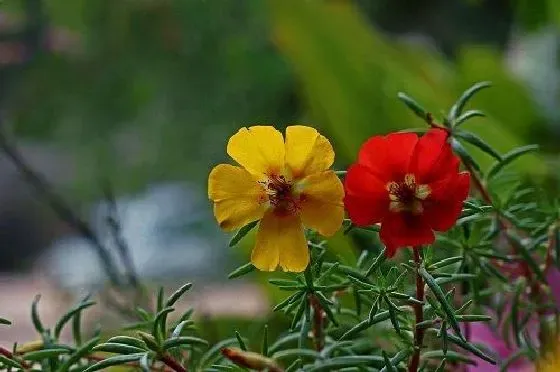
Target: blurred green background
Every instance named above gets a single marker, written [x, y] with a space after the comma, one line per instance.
[146, 90]
[143, 92]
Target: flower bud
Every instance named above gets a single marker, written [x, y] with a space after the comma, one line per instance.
[249, 359]
[30, 346]
[149, 340]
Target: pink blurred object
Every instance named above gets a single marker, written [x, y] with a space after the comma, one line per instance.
[553, 279]
[210, 301]
[17, 294]
[56, 40]
[482, 334]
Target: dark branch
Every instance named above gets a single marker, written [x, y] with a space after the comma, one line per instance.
[59, 206]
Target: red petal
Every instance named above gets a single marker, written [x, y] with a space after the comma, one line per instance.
[404, 230]
[444, 205]
[453, 187]
[367, 199]
[372, 155]
[433, 158]
[364, 212]
[388, 157]
[360, 181]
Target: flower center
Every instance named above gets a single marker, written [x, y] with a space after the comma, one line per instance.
[407, 195]
[281, 195]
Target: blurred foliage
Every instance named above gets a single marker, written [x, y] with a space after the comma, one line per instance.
[141, 91]
[148, 90]
[152, 88]
[144, 91]
[351, 89]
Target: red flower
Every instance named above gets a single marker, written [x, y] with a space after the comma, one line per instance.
[410, 185]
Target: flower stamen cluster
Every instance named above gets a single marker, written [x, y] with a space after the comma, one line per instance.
[407, 195]
[281, 195]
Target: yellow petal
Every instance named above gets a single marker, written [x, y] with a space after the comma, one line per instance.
[238, 197]
[228, 181]
[321, 202]
[307, 151]
[259, 149]
[280, 240]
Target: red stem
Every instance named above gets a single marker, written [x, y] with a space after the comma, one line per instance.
[172, 363]
[550, 247]
[418, 312]
[504, 225]
[318, 323]
[433, 124]
[8, 354]
[478, 184]
[467, 327]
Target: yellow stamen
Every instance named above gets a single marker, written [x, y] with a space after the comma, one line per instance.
[410, 181]
[422, 192]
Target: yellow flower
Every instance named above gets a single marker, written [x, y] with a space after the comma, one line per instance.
[286, 185]
[550, 362]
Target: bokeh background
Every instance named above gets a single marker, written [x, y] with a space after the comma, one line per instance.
[142, 95]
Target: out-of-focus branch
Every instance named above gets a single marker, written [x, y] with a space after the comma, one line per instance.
[58, 205]
[116, 233]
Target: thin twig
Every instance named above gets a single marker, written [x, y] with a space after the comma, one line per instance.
[116, 232]
[124, 309]
[418, 313]
[59, 206]
[478, 183]
[551, 246]
[318, 323]
[433, 124]
[504, 225]
[464, 291]
[8, 354]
